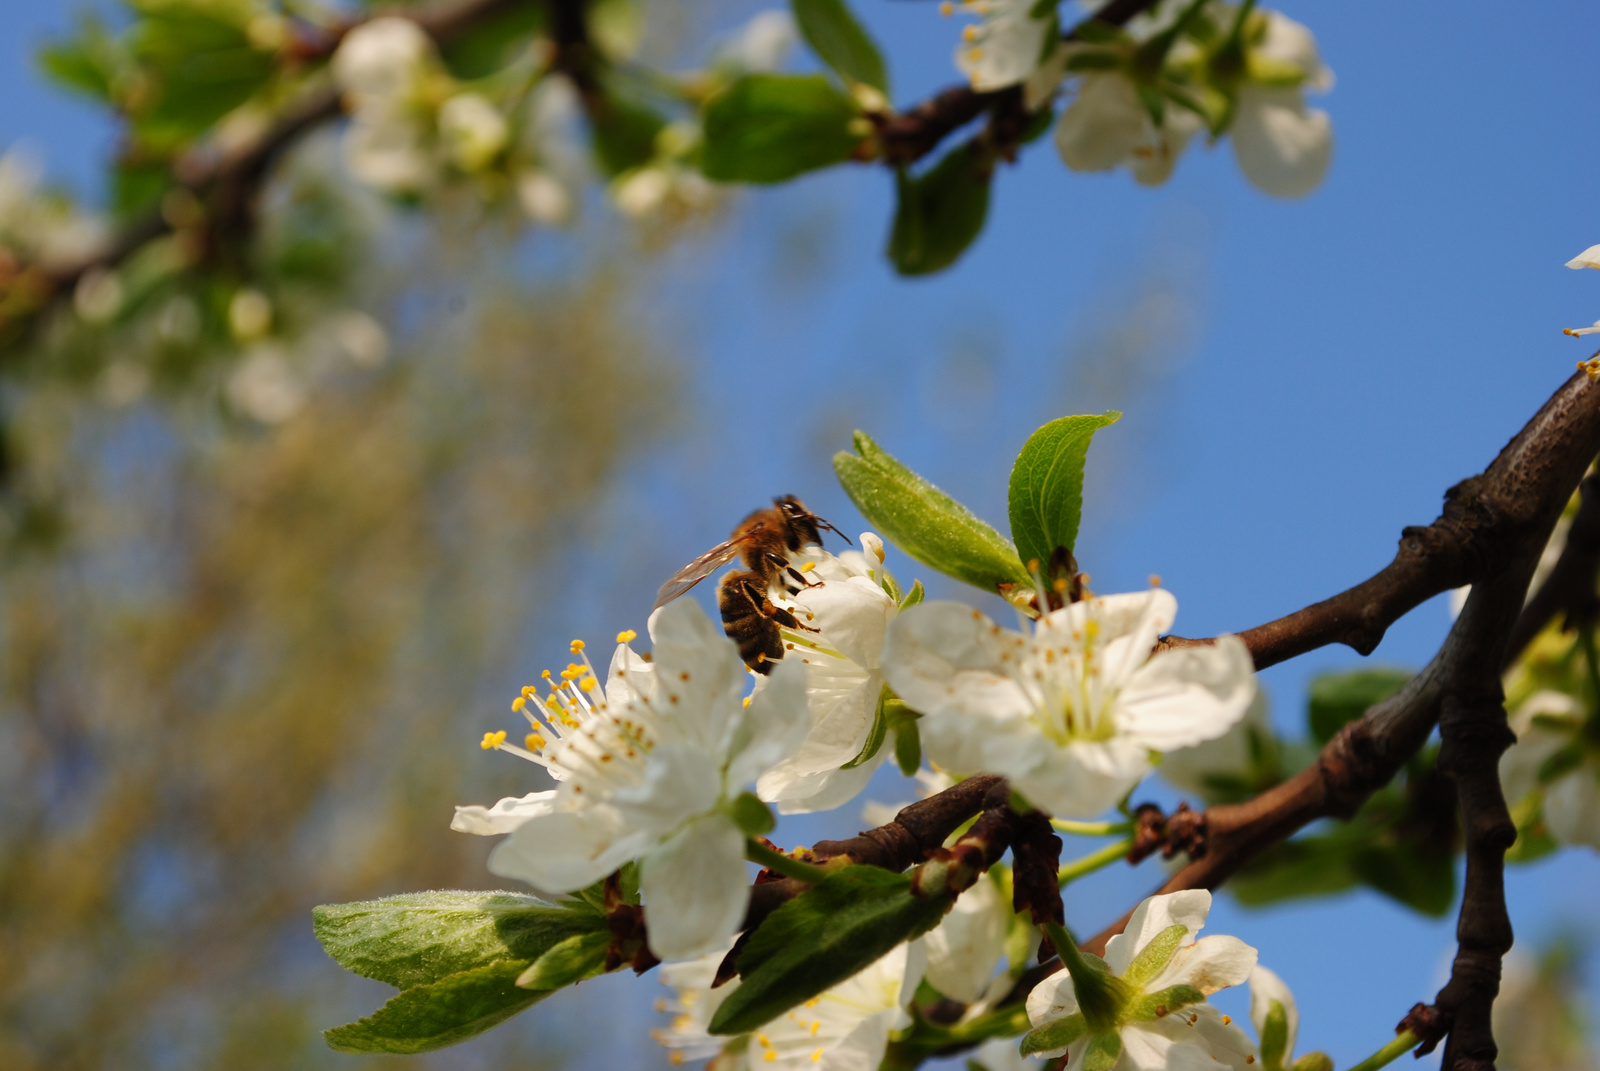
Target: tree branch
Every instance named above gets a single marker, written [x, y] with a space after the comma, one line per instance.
[1569, 590]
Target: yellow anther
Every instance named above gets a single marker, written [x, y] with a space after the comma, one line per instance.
[544, 675]
[518, 703]
[816, 1057]
[533, 742]
[765, 1042]
[576, 645]
[627, 635]
[587, 684]
[491, 741]
[808, 566]
[572, 673]
[1155, 581]
[1060, 584]
[947, 8]
[1091, 629]
[676, 1058]
[771, 1056]
[816, 1024]
[969, 33]
[1227, 1020]
[747, 702]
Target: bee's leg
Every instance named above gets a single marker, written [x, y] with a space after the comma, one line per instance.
[784, 567]
[788, 620]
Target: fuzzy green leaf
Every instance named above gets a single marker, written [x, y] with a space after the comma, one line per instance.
[418, 938]
[772, 127]
[1337, 698]
[925, 522]
[430, 1017]
[1046, 495]
[578, 957]
[941, 212]
[820, 938]
[839, 40]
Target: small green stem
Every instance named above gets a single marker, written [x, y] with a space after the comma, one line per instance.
[1403, 1041]
[1091, 829]
[786, 865]
[1094, 861]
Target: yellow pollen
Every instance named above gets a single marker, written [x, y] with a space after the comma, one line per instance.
[545, 675]
[577, 645]
[491, 741]
[627, 635]
[1155, 581]
[946, 8]
[816, 1024]
[661, 1005]
[676, 1058]
[747, 701]
[1249, 1059]
[1060, 584]
[1227, 1020]
[766, 1042]
[762, 657]
[816, 1057]
[969, 32]
[771, 1056]
[587, 684]
[533, 742]
[517, 704]
[808, 566]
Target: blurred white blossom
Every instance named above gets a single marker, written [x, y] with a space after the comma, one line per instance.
[265, 388]
[760, 45]
[1005, 45]
[1283, 147]
[473, 131]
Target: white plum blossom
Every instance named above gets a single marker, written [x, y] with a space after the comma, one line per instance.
[1276, 1018]
[967, 946]
[473, 131]
[46, 228]
[845, 1028]
[760, 45]
[1072, 710]
[1283, 147]
[384, 67]
[1589, 258]
[1551, 727]
[1163, 977]
[1005, 46]
[649, 770]
[1107, 126]
[851, 611]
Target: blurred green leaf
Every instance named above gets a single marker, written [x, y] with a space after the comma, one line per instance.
[834, 34]
[772, 127]
[1046, 493]
[417, 938]
[430, 1017]
[87, 62]
[1421, 876]
[925, 522]
[820, 938]
[489, 43]
[1306, 866]
[941, 212]
[624, 133]
[1337, 698]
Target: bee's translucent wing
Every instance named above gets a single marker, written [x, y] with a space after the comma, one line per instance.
[697, 570]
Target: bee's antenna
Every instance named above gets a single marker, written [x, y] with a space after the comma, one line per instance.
[824, 524]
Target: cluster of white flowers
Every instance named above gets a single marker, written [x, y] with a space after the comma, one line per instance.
[1118, 118]
[412, 126]
[37, 227]
[1556, 764]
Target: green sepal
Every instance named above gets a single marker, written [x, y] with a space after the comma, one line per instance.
[907, 743]
[1046, 491]
[627, 883]
[1313, 1061]
[841, 42]
[923, 521]
[1103, 1052]
[751, 815]
[940, 212]
[1054, 1035]
[1274, 1037]
[428, 1017]
[578, 957]
[820, 938]
[418, 938]
[1164, 1002]
[772, 127]
[890, 586]
[914, 596]
[1154, 957]
[875, 735]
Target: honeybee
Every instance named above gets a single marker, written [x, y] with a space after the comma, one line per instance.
[762, 540]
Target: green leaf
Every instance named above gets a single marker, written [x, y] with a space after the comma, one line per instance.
[487, 44]
[1274, 1036]
[875, 735]
[1309, 866]
[772, 127]
[578, 957]
[418, 938]
[1154, 957]
[430, 1017]
[941, 212]
[1337, 698]
[839, 40]
[925, 522]
[914, 596]
[1046, 494]
[624, 134]
[820, 938]
[88, 62]
[1054, 1035]
[1418, 876]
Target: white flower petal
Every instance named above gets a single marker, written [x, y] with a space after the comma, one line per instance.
[504, 816]
[945, 657]
[1589, 258]
[1283, 147]
[1188, 909]
[820, 791]
[853, 614]
[700, 678]
[1229, 756]
[694, 888]
[862, 1049]
[1005, 47]
[1103, 125]
[1081, 780]
[1572, 807]
[1288, 41]
[1265, 988]
[771, 728]
[679, 782]
[1188, 695]
[567, 850]
[967, 946]
[1211, 964]
[1052, 999]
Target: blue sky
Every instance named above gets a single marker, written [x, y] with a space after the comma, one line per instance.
[1318, 371]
